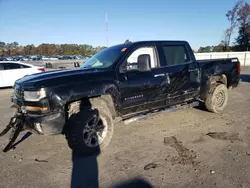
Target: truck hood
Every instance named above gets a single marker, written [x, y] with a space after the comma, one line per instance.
[59, 77]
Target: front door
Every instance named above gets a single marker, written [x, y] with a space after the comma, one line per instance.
[183, 74]
[142, 90]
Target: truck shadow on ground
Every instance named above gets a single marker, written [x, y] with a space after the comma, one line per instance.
[245, 77]
[85, 172]
[201, 107]
[85, 165]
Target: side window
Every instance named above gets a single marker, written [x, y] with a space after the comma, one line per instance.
[24, 66]
[176, 55]
[132, 60]
[9, 66]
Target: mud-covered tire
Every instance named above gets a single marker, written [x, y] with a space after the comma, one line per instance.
[217, 98]
[79, 120]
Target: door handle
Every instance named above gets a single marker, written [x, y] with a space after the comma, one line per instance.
[158, 75]
[192, 70]
[165, 75]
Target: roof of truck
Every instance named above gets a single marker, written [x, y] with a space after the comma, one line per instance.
[128, 43]
[157, 41]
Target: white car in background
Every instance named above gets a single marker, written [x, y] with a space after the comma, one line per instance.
[53, 58]
[10, 71]
[25, 59]
[9, 58]
[44, 58]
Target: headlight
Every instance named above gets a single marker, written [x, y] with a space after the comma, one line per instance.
[34, 95]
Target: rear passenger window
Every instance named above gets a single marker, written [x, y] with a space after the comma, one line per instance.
[132, 60]
[9, 66]
[24, 66]
[175, 55]
[1, 66]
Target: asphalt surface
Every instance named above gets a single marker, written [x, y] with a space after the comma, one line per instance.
[188, 148]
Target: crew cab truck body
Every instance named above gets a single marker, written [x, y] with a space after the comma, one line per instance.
[118, 83]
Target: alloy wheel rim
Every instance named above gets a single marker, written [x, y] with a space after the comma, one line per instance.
[95, 131]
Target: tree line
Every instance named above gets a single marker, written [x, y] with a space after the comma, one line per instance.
[238, 19]
[47, 49]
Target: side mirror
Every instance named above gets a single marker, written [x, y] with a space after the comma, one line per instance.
[144, 62]
[129, 67]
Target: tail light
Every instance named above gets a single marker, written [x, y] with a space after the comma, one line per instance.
[41, 69]
[238, 68]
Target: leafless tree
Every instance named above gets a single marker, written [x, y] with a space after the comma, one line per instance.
[232, 16]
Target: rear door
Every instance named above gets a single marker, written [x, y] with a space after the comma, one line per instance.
[141, 91]
[27, 70]
[182, 72]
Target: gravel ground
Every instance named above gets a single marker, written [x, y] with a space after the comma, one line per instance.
[189, 148]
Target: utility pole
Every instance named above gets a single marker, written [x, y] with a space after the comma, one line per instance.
[107, 37]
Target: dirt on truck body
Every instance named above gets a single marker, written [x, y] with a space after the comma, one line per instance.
[121, 83]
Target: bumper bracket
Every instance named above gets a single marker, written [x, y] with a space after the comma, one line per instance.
[17, 124]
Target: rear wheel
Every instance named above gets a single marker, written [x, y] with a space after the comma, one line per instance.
[217, 98]
[90, 128]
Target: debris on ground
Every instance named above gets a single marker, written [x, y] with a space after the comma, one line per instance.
[224, 136]
[150, 165]
[212, 171]
[41, 160]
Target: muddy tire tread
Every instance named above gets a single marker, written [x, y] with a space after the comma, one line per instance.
[209, 100]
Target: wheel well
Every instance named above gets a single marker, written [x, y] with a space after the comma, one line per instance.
[108, 99]
[222, 79]
[214, 80]
[74, 106]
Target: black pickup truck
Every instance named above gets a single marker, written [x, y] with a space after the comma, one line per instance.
[119, 83]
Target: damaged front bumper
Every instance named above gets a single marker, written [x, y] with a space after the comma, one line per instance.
[46, 124]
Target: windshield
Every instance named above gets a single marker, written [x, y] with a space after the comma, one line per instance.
[104, 58]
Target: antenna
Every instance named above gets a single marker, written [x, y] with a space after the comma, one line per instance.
[107, 38]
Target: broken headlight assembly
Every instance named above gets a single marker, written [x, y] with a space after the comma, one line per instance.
[34, 96]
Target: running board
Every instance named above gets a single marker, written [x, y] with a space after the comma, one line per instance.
[170, 109]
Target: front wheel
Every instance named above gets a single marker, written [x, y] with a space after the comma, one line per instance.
[90, 130]
[217, 98]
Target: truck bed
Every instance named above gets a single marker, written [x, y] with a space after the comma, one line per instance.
[230, 67]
